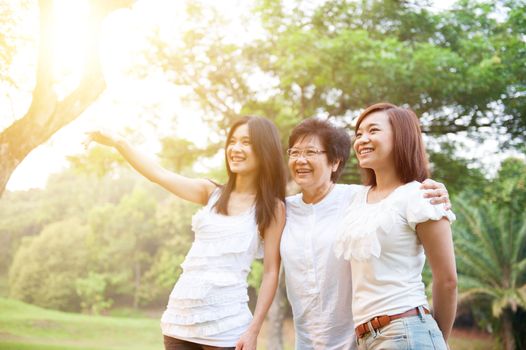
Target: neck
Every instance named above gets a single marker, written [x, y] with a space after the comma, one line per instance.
[315, 195]
[245, 184]
[387, 179]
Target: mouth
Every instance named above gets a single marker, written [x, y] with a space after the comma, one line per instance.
[301, 172]
[365, 150]
[237, 159]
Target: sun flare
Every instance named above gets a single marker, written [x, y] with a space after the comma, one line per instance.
[70, 26]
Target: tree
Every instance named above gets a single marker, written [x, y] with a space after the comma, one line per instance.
[47, 114]
[490, 244]
[457, 68]
[124, 239]
[46, 267]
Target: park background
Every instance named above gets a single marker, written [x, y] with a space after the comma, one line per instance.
[89, 251]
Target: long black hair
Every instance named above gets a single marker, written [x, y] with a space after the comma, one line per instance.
[270, 179]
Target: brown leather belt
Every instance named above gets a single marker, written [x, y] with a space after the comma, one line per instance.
[382, 321]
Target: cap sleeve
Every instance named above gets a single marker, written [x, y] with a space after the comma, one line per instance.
[420, 209]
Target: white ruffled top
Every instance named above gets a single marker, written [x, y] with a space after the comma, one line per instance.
[386, 255]
[208, 304]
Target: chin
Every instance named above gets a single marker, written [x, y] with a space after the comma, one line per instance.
[365, 164]
[302, 181]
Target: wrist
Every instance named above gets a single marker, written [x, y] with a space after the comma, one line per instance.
[119, 143]
[253, 330]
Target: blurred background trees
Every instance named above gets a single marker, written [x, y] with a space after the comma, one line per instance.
[99, 237]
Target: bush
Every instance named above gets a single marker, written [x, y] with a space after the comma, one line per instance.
[45, 268]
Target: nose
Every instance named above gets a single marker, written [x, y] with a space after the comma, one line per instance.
[235, 147]
[363, 139]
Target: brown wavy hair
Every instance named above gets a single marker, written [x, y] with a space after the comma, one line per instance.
[408, 147]
[271, 178]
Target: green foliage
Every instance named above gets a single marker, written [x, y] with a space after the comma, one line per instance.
[25, 214]
[460, 68]
[458, 174]
[119, 246]
[92, 292]
[160, 277]
[98, 160]
[45, 268]
[179, 154]
[256, 275]
[509, 188]
[490, 244]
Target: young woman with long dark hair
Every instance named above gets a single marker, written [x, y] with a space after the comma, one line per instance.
[240, 221]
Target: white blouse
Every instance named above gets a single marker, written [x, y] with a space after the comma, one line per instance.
[208, 304]
[318, 283]
[386, 255]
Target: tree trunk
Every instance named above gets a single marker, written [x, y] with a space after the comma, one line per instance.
[46, 115]
[137, 285]
[276, 316]
[507, 330]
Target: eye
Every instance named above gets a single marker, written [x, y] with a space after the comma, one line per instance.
[231, 142]
[358, 135]
[246, 142]
[311, 152]
[294, 153]
[373, 130]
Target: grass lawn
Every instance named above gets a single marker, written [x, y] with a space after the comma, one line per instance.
[24, 326]
[28, 327]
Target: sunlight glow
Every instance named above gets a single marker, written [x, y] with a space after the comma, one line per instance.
[69, 34]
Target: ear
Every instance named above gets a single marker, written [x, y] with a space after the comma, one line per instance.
[335, 165]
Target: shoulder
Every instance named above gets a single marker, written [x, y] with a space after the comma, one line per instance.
[214, 191]
[411, 188]
[407, 195]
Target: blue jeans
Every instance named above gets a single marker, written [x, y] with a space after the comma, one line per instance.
[409, 333]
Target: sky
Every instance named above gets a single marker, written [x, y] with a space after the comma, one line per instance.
[127, 100]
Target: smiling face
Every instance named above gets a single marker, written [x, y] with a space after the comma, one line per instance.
[374, 141]
[312, 172]
[240, 153]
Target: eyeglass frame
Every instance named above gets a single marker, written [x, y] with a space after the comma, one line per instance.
[302, 153]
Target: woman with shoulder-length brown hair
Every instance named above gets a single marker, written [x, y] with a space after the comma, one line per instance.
[388, 232]
[318, 282]
[208, 307]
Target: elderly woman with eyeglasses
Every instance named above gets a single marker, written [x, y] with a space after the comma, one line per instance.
[318, 283]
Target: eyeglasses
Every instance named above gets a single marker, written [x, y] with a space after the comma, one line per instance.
[307, 153]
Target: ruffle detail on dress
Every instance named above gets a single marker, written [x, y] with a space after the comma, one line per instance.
[234, 243]
[224, 297]
[209, 222]
[206, 328]
[225, 262]
[421, 210]
[181, 317]
[358, 234]
[198, 285]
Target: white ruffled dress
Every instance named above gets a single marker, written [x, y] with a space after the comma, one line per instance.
[209, 303]
[386, 256]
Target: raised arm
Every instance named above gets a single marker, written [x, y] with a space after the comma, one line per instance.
[269, 284]
[438, 244]
[193, 190]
